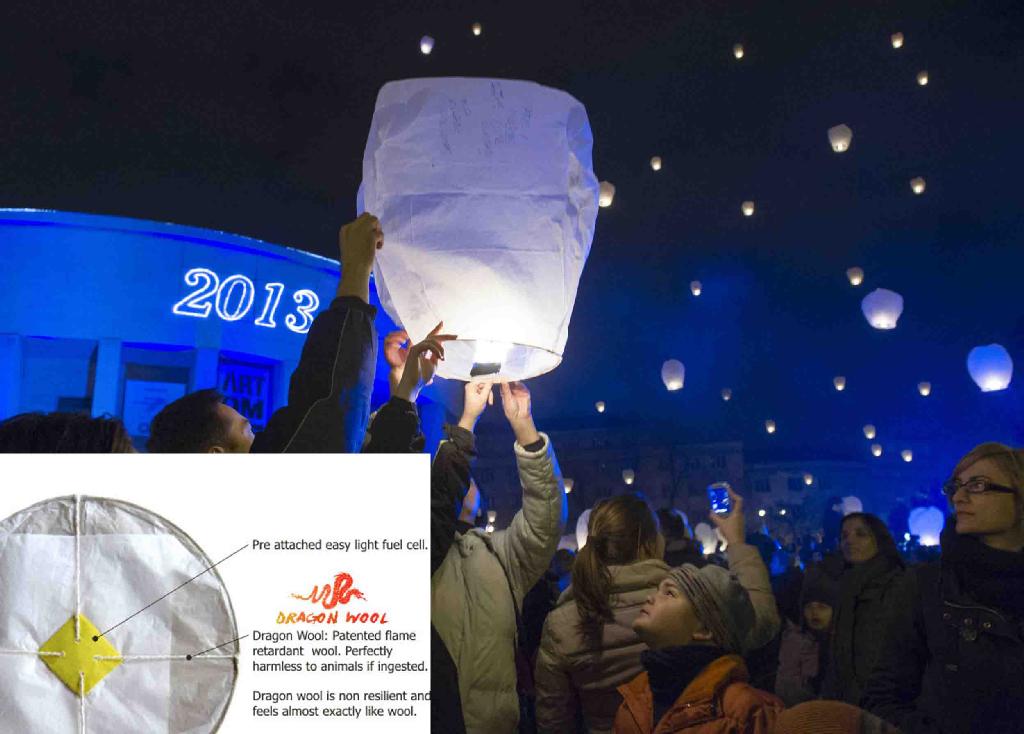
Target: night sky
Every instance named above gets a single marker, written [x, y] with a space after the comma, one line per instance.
[252, 118]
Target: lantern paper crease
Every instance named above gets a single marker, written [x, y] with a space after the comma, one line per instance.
[487, 200]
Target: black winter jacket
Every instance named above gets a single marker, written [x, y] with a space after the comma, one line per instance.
[329, 393]
[950, 664]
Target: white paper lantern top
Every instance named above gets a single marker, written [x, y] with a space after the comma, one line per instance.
[925, 388]
[808, 479]
[600, 406]
[926, 523]
[673, 374]
[737, 50]
[876, 450]
[990, 367]
[707, 537]
[426, 45]
[907, 455]
[487, 200]
[839, 383]
[477, 29]
[839, 137]
[769, 426]
[628, 476]
[696, 287]
[656, 163]
[852, 504]
[922, 78]
[882, 308]
[897, 40]
[748, 208]
[492, 515]
[855, 276]
[917, 185]
[869, 431]
[582, 529]
[606, 194]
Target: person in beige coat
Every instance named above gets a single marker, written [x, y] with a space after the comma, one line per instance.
[478, 590]
[588, 649]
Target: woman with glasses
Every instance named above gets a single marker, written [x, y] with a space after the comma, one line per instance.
[872, 569]
[953, 659]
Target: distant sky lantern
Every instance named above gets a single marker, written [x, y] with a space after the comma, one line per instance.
[990, 367]
[628, 476]
[808, 479]
[582, 528]
[926, 523]
[769, 426]
[569, 484]
[707, 537]
[882, 308]
[855, 276]
[922, 77]
[897, 40]
[839, 138]
[600, 406]
[917, 185]
[852, 504]
[470, 239]
[762, 512]
[656, 163]
[839, 383]
[695, 287]
[607, 194]
[870, 432]
[673, 374]
[726, 394]
[907, 455]
[737, 50]
[490, 527]
[925, 388]
[876, 450]
[492, 515]
[426, 44]
[748, 208]
[477, 29]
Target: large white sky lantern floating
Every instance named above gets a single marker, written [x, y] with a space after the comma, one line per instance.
[839, 138]
[606, 194]
[747, 208]
[707, 537]
[870, 432]
[628, 476]
[922, 77]
[990, 367]
[924, 388]
[477, 29]
[599, 406]
[696, 287]
[855, 276]
[656, 163]
[426, 45]
[839, 383]
[488, 201]
[897, 40]
[926, 523]
[917, 185]
[882, 308]
[84, 649]
[673, 374]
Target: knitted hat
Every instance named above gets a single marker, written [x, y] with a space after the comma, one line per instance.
[721, 603]
[819, 586]
[830, 717]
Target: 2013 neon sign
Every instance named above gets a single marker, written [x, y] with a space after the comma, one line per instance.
[233, 298]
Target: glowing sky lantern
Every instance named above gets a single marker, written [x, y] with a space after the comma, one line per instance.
[582, 529]
[628, 476]
[990, 367]
[490, 527]
[607, 194]
[917, 185]
[477, 29]
[808, 479]
[748, 208]
[855, 276]
[839, 138]
[922, 77]
[569, 484]
[870, 432]
[737, 50]
[925, 388]
[907, 455]
[656, 163]
[707, 537]
[839, 383]
[882, 308]
[673, 374]
[897, 40]
[491, 237]
[600, 406]
[926, 523]
[695, 287]
[762, 512]
[852, 504]
[426, 45]
[726, 394]
[769, 426]
[876, 450]
[492, 515]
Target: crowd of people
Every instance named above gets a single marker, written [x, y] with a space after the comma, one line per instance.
[639, 630]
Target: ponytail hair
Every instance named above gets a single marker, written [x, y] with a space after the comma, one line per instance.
[621, 530]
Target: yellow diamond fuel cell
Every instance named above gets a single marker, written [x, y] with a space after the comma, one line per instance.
[112, 619]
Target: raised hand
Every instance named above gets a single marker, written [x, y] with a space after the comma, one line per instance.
[478, 397]
[515, 400]
[421, 364]
[733, 526]
[358, 242]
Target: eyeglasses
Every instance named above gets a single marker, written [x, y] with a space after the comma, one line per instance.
[975, 485]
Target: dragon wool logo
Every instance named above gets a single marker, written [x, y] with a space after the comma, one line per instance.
[328, 597]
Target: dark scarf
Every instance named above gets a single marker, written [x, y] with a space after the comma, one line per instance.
[671, 669]
[991, 577]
